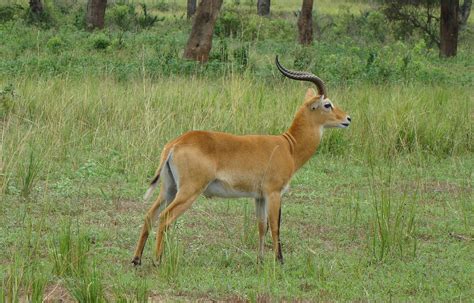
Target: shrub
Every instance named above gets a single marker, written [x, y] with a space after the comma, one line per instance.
[7, 96]
[10, 12]
[163, 6]
[121, 15]
[241, 55]
[100, 41]
[55, 44]
[228, 24]
[374, 26]
[145, 20]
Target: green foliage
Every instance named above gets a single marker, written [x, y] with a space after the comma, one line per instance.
[414, 18]
[29, 173]
[125, 17]
[371, 56]
[228, 24]
[69, 252]
[70, 258]
[100, 41]
[55, 44]
[163, 5]
[249, 27]
[23, 280]
[382, 212]
[392, 225]
[121, 15]
[88, 286]
[241, 55]
[7, 100]
[146, 20]
[10, 12]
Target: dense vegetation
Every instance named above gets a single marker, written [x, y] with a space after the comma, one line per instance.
[383, 211]
[351, 46]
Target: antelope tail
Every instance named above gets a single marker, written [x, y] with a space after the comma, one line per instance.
[152, 187]
[156, 178]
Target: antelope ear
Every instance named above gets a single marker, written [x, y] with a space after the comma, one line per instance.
[310, 93]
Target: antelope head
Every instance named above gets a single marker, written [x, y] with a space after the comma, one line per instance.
[320, 110]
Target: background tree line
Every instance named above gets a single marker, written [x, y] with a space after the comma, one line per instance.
[439, 20]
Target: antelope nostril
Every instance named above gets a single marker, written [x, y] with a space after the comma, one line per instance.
[349, 119]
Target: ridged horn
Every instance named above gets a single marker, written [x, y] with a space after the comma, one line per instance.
[303, 76]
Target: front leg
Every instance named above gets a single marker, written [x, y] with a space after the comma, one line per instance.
[261, 212]
[274, 216]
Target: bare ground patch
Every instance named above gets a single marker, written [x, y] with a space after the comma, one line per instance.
[57, 293]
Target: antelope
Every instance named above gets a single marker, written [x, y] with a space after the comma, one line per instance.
[230, 166]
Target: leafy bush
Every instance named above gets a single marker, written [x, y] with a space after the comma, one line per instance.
[46, 19]
[10, 12]
[418, 17]
[121, 15]
[55, 44]
[242, 40]
[228, 24]
[146, 20]
[7, 95]
[241, 55]
[163, 6]
[374, 26]
[100, 41]
[248, 27]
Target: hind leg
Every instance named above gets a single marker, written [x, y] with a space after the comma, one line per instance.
[161, 202]
[167, 194]
[147, 225]
[184, 199]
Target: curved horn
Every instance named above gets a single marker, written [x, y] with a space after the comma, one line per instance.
[303, 76]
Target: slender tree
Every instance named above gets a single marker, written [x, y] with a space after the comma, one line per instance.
[449, 27]
[200, 40]
[263, 7]
[95, 13]
[191, 8]
[464, 12]
[36, 7]
[305, 23]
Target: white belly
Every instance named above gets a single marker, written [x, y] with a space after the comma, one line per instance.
[220, 189]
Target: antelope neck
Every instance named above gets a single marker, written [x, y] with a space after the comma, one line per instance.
[304, 138]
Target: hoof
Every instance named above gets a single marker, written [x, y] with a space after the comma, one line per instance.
[136, 261]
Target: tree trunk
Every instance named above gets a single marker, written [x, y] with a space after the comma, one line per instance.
[449, 27]
[464, 12]
[95, 13]
[191, 8]
[305, 23]
[36, 8]
[263, 7]
[200, 40]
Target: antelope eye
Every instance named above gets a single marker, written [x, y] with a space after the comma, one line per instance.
[327, 105]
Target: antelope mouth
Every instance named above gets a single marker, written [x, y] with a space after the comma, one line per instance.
[344, 125]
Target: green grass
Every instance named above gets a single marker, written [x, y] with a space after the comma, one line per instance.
[383, 211]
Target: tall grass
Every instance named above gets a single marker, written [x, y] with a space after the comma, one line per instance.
[24, 280]
[71, 261]
[122, 127]
[171, 260]
[392, 224]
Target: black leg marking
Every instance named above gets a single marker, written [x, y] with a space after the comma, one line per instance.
[136, 261]
[280, 255]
